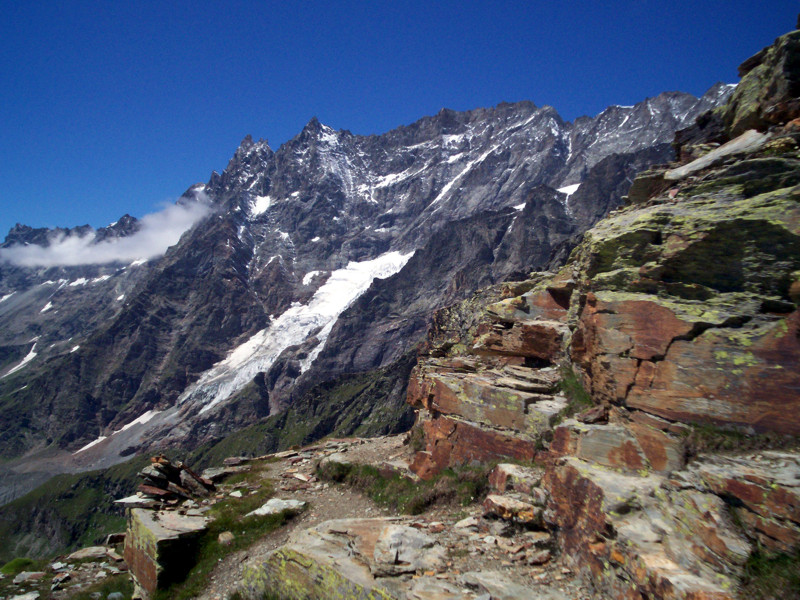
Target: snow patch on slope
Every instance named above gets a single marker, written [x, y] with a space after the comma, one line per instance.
[260, 205]
[569, 189]
[292, 327]
[309, 276]
[141, 420]
[28, 358]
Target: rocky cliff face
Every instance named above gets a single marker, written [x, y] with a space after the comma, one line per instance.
[656, 373]
[277, 282]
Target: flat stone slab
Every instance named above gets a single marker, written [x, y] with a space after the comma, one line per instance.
[500, 587]
[351, 558]
[507, 476]
[510, 509]
[274, 506]
[26, 576]
[749, 141]
[28, 596]
[92, 552]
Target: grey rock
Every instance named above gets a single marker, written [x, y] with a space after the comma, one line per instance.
[27, 596]
[402, 549]
[26, 576]
[273, 506]
[749, 141]
[92, 552]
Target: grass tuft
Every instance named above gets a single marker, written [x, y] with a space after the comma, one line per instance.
[461, 486]
[226, 515]
[772, 577]
[571, 386]
[20, 564]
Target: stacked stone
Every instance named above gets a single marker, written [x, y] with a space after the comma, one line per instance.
[171, 483]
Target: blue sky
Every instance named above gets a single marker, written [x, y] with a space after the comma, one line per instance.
[112, 107]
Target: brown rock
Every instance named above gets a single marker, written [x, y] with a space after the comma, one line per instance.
[510, 477]
[715, 378]
[510, 509]
[538, 339]
[598, 414]
[538, 557]
[450, 443]
[663, 452]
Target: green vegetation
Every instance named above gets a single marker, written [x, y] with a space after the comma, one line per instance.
[68, 512]
[772, 577]
[226, 515]
[704, 437]
[118, 583]
[572, 387]
[462, 486]
[20, 564]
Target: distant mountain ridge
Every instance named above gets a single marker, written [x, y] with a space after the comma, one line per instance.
[436, 209]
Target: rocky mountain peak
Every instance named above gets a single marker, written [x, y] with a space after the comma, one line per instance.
[323, 259]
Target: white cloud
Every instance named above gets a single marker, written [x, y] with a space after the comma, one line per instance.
[158, 232]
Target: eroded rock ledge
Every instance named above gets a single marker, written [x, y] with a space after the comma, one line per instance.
[678, 313]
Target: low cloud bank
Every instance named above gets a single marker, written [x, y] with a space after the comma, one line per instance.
[158, 232]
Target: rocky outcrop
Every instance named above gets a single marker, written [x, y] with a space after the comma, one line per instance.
[473, 193]
[498, 401]
[160, 548]
[677, 313]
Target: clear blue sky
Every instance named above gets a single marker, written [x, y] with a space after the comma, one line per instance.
[115, 107]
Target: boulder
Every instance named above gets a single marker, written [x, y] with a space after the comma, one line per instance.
[636, 536]
[160, 547]
[769, 90]
[629, 446]
[509, 477]
[349, 558]
[536, 339]
[766, 486]
[451, 442]
[511, 509]
[91, 553]
[27, 576]
[274, 506]
[403, 549]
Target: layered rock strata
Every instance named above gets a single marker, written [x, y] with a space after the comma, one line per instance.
[678, 314]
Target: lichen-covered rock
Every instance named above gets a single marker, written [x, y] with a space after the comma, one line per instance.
[345, 558]
[450, 442]
[511, 509]
[538, 339]
[766, 486]
[628, 446]
[769, 89]
[636, 540]
[160, 547]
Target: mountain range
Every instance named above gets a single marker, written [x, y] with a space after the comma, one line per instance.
[292, 272]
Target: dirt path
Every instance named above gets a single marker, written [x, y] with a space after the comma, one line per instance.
[469, 550]
[326, 501]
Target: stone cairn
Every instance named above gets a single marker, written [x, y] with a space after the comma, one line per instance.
[168, 484]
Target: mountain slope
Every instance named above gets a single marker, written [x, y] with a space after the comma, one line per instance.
[444, 205]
